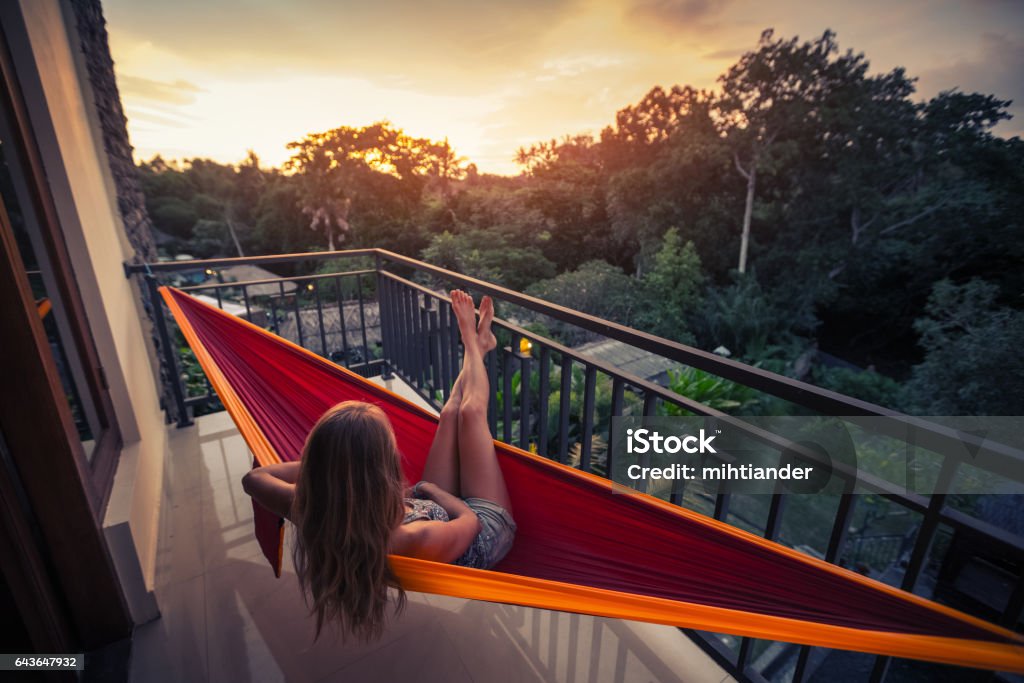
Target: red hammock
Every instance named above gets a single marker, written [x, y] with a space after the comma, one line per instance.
[579, 547]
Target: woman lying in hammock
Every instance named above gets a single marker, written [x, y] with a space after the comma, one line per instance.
[347, 500]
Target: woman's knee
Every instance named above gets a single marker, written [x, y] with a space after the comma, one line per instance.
[472, 410]
[450, 411]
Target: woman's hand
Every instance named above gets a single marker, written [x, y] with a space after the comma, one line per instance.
[426, 490]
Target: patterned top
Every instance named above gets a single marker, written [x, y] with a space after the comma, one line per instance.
[497, 529]
[424, 509]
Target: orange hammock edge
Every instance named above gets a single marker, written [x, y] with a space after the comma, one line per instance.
[477, 584]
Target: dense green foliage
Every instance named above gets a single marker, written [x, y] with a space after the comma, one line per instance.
[883, 230]
[973, 363]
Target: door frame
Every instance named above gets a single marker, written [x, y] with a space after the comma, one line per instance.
[57, 524]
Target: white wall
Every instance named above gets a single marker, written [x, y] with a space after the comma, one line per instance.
[60, 107]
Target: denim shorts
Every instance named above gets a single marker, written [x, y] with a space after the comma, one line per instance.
[497, 532]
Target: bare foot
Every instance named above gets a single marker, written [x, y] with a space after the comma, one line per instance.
[462, 306]
[483, 330]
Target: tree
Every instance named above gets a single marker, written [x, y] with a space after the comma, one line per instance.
[644, 129]
[914, 193]
[665, 159]
[596, 287]
[672, 289]
[243, 198]
[897, 164]
[280, 226]
[970, 342]
[210, 238]
[348, 172]
[748, 321]
[489, 255]
[568, 189]
[173, 216]
[773, 96]
[444, 166]
[321, 161]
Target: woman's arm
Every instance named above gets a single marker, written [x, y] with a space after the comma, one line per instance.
[453, 505]
[438, 541]
[273, 486]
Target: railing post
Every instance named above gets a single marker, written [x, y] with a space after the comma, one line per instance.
[525, 426]
[384, 316]
[416, 345]
[444, 349]
[931, 520]
[273, 316]
[167, 349]
[506, 392]
[491, 362]
[650, 410]
[433, 353]
[425, 341]
[587, 437]
[248, 307]
[618, 395]
[298, 316]
[362, 318]
[564, 406]
[453, 347]
[542, 396]
[406, 341]
[341, 322]
[320, 319]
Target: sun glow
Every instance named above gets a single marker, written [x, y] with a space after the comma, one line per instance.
[200, 81]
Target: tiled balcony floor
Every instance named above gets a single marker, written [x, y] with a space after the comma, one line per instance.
[226, 618]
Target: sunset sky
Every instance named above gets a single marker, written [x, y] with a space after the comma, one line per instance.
[213, 78]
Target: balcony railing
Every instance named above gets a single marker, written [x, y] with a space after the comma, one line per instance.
[389, 316]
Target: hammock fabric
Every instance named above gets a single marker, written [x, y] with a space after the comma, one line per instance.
[581, 548]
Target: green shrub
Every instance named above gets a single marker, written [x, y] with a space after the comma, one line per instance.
[973, 364]
[867, 385]
[748, 321]
[710, 390]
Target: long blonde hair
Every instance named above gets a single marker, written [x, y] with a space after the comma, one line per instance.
[348, 499]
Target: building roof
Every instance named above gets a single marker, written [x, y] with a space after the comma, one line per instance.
[332, 325]
[226, 306]
[246, 273]
[643, 364]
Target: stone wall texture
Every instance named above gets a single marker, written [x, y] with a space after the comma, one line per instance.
[92, 31]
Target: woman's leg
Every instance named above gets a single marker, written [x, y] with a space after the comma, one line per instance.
[480, 475]
[442, 466]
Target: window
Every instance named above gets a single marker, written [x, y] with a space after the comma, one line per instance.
[26, 210]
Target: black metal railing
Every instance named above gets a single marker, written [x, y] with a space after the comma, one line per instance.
[394, 320]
